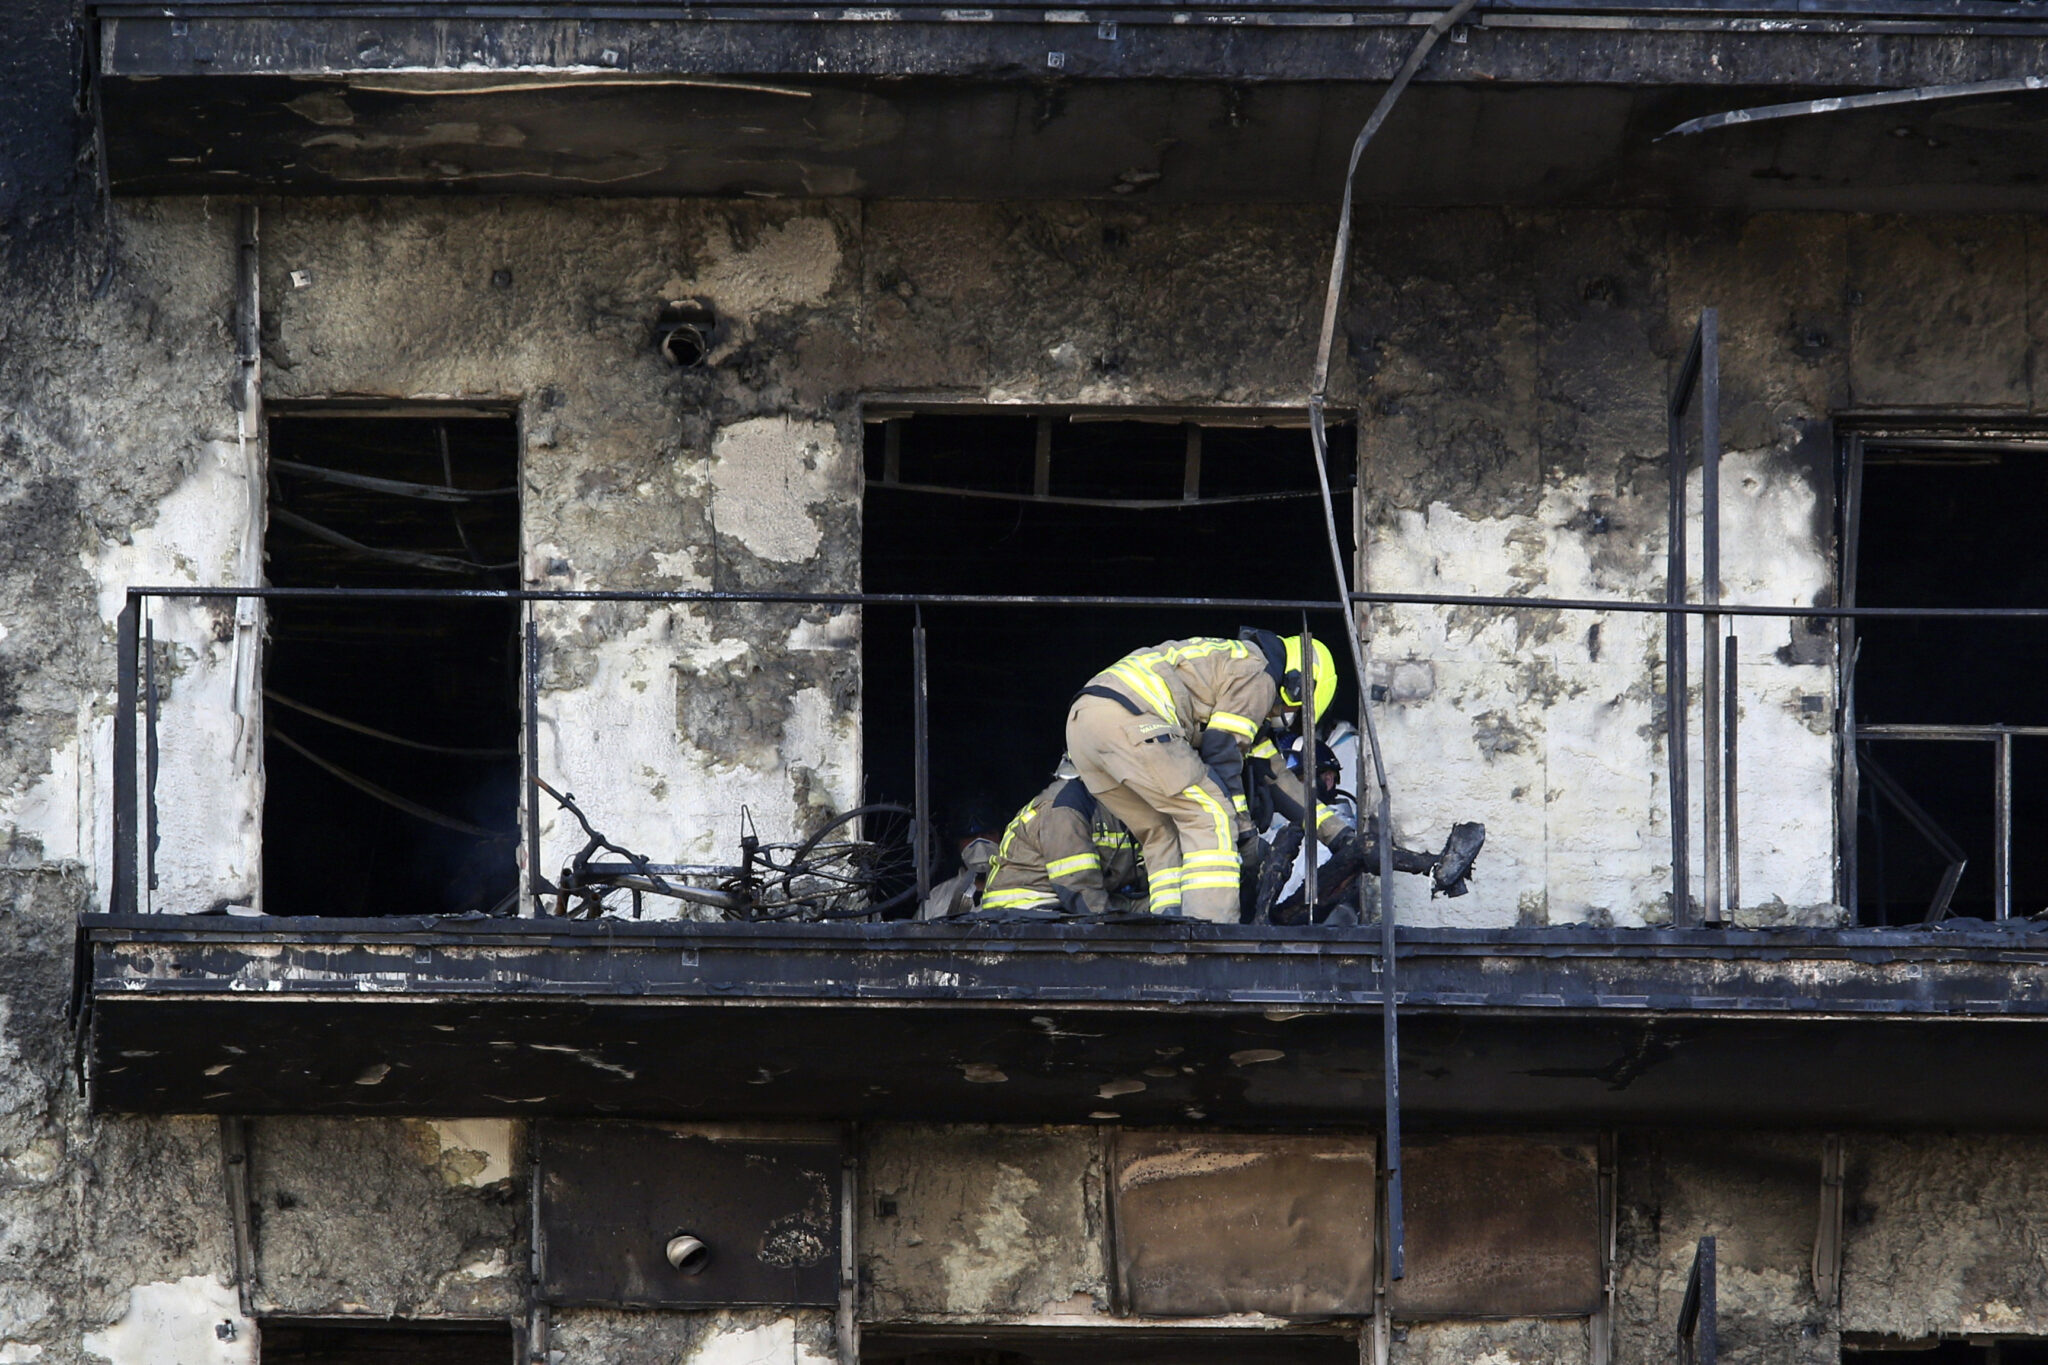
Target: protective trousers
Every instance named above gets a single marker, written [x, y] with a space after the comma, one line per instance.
[1144, 772]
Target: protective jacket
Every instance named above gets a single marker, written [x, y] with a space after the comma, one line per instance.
[1062, 851]
[1198, 685]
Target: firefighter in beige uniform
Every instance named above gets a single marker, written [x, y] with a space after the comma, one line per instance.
[1160, 738]
[1063, 851]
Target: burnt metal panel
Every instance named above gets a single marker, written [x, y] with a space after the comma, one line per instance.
[612, 1195]
[1215, 1223]
[1500, 1227]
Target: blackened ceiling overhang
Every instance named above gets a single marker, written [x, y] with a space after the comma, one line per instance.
[1253, 105]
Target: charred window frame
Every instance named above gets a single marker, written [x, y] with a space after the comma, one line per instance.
[1936, 747]
[393, 789]
[418, 1341]
[1191, 503]
[1863, 1348]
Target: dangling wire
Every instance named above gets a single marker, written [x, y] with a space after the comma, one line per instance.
[1340, 259]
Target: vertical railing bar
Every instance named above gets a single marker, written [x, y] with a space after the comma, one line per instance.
[1848, 646]
[2001, 847]
[149, 759]
[1308, 772]
[1191, 467]
[1712, 775]
[1674, 656]
[1729, 768]
[121, 899]
[536, 884]
[920, 739]
[1390, 1031]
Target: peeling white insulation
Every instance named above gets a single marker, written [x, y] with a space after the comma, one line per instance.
[190, 1321]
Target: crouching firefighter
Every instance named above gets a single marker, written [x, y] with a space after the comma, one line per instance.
[1063, 852]
[1160, 738]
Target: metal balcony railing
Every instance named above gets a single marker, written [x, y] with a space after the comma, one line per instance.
[763, 873]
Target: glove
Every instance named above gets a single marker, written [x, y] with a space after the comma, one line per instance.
[1219, 749]
[1348, 857]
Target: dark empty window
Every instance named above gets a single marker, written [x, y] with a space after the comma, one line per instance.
[1116, 1346]
[986, 503]
[391, 727]
[1942, 704]
[331, 1343]
[1945, 1351]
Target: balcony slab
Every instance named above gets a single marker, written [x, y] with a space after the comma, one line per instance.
[1139, 1024]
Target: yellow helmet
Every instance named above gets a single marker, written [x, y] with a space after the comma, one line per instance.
[1325, 679]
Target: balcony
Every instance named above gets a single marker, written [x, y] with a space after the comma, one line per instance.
[696, 1010]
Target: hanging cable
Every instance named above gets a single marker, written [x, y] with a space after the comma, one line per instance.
[1340, 257]
[385, 794]
[410, 558]
[361, 729]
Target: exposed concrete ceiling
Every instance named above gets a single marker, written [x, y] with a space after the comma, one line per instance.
[1523, 116]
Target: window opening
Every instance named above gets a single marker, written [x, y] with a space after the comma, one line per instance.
[1947, 522]
[1945, 1351]
[988, 503]
[391, 728]
[335, 1343]
[1114, 1346]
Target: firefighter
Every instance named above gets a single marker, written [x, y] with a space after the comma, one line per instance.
[1160, 738]
[1063, 851]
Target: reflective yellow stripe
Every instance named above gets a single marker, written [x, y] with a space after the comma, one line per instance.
[1236, 649]
[1015, 900]
[1067, 867]
[1217, 812]
[1115, 841]
[1191, 861]
[1139, 672]
[1265, 748]
[1150, 690]
[1210, 881]
[1016, 827]
[1242, 806]
[1233, 723]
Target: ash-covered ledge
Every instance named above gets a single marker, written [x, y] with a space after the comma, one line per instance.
[1158, 1024]
[1883, 972]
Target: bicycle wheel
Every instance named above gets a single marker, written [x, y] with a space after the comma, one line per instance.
[861, 864]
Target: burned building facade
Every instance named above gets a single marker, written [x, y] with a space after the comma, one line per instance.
[420, 417]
